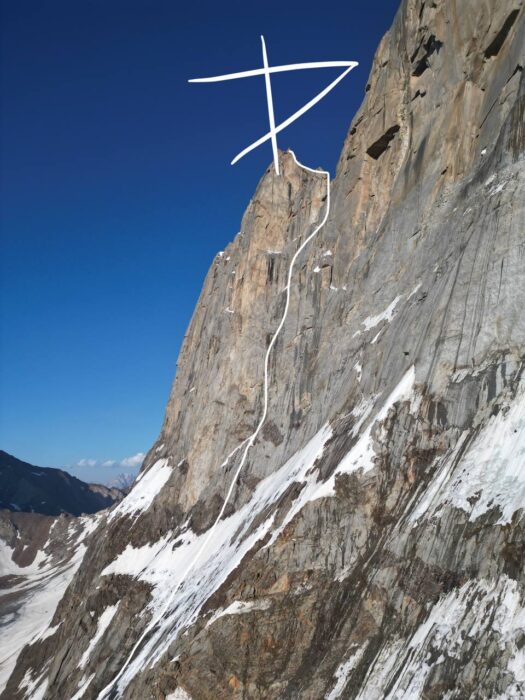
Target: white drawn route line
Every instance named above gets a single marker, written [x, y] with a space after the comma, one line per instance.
[269, 99]
[248, 442]
[274, 69]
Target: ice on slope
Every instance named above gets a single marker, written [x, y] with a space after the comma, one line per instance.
[84, 683]
[360, 457]
[103, 623]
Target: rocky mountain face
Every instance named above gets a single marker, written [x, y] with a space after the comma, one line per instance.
[39, 552]
[30, 489]
[374, 543]
[39, 555]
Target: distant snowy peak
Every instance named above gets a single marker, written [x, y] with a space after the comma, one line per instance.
[123, 482]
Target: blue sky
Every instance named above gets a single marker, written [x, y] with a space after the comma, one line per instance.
[117, 193]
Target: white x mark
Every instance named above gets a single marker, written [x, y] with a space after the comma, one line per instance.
[266, 71]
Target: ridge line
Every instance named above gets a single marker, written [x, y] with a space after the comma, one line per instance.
[250, 440]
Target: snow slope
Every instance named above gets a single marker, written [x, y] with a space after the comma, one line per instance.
[30, 594]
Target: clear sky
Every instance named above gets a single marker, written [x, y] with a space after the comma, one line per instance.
[117, 193]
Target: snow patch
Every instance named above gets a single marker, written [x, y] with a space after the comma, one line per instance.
[42, 584]
[239, 607]
[362, 455]
[414, 291]
[376, 337]
[134, 561]
[470, 612]
[490, 471]
[49, 632]
[146, 488]
[8, 567]
[33, 688]
[343, 671]
[178, 694]
[102, 624]
[83, 686]
[386, 315]
[161, 563]
[497, 187]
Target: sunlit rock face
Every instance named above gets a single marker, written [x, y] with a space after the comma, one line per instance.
[374, 543]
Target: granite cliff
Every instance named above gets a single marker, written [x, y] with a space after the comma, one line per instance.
[374, 545]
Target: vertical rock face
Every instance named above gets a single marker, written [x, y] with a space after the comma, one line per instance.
[374, 543]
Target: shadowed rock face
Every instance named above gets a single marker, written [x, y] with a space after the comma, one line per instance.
[29, 489]
[374, 544]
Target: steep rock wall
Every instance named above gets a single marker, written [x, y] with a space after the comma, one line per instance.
[374, 544]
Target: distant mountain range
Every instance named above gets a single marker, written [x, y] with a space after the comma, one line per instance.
[30, 489]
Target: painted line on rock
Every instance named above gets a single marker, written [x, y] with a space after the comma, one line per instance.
[249, 441]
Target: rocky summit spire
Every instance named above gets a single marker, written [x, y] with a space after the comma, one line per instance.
[373, 545]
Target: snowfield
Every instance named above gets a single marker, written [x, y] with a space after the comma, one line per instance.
[147, 486]
[38, 588]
